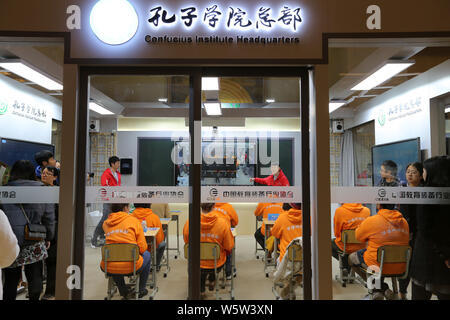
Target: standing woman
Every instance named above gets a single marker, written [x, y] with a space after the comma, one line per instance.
[50, 177]
[277, 178]
[32, 253]
[414, 178]
[430, 264]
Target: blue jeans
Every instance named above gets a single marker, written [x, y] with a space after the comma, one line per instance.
[144, 271]
[160, 252]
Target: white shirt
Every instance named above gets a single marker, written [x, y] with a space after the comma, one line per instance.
[9, 246]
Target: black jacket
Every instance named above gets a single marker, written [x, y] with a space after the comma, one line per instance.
[432, 245]
[37, 213]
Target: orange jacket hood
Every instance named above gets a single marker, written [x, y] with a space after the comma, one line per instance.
[354, 207]
[294, 216]
[393, 216]
[116, 218]
[141, 213]
[208, 220]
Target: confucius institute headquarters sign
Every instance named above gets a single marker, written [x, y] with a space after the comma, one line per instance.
[218, 29]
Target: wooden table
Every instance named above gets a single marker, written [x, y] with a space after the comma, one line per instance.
[269, 224]
[150, 235]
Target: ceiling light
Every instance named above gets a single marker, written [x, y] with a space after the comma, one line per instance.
[447, 110]
[335, 104]
[25, 71]
[390, 69]
[99, 109]
[210, 84]
[162, 99]
[213, 109]
[270, 100]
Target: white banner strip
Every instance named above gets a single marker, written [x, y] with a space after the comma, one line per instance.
[29, 194]
[251, 194]
[393, 195]
[137, 194]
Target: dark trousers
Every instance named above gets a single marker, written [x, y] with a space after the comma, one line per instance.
[207, 273]
[260, 238]
[50, 264]
[144, 271]
[33, 272]
[334, 252]
[419, 293]
[228, 265]
[99, 229]
[404, 283]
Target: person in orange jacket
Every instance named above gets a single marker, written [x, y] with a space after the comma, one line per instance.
[227, 211]
[288, 227]
[264, 209]
[214, 229]
[121, 227]
[347, 217]
[387, 227]
[143, 212]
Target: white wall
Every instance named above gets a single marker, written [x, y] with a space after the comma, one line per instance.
[22, 125]
[393, 124]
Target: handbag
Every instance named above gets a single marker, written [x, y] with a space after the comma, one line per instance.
[34, 231]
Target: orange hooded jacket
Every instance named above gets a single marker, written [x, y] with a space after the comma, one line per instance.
[287, 227]
[265, 209]
[152, 220]
[216, 229]
[120, 227]
[227, 211]
[388, 227]
[348, 217]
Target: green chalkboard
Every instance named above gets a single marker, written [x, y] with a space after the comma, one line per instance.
[155, 164]
[286, 155]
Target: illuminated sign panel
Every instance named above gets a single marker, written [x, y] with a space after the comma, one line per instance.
[115, 22]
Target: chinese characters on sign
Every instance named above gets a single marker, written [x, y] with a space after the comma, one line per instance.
[233, 17]
[404, 109]
[29, 112]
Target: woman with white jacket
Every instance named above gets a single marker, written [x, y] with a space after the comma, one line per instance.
[8, 243]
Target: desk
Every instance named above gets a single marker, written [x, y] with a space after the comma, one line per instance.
[151, 233]
[175, 216]
[269, 224]
[165, 226]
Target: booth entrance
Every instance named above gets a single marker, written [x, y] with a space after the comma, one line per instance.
[160, 118]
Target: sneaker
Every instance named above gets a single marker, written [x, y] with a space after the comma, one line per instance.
[48, 297]
[403, 296]
[211, 285]
[229, 276]
[378, 296]
[143, 293]
[389, 294]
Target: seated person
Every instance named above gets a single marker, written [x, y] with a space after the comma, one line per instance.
[143, 212]
[214, 229]
[264, 209]
[288, 227]
[387, 227]
[347, 217]
[120, 227]
[227, 211]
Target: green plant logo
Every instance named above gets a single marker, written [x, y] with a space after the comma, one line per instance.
[3, 107]
[382, 118]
